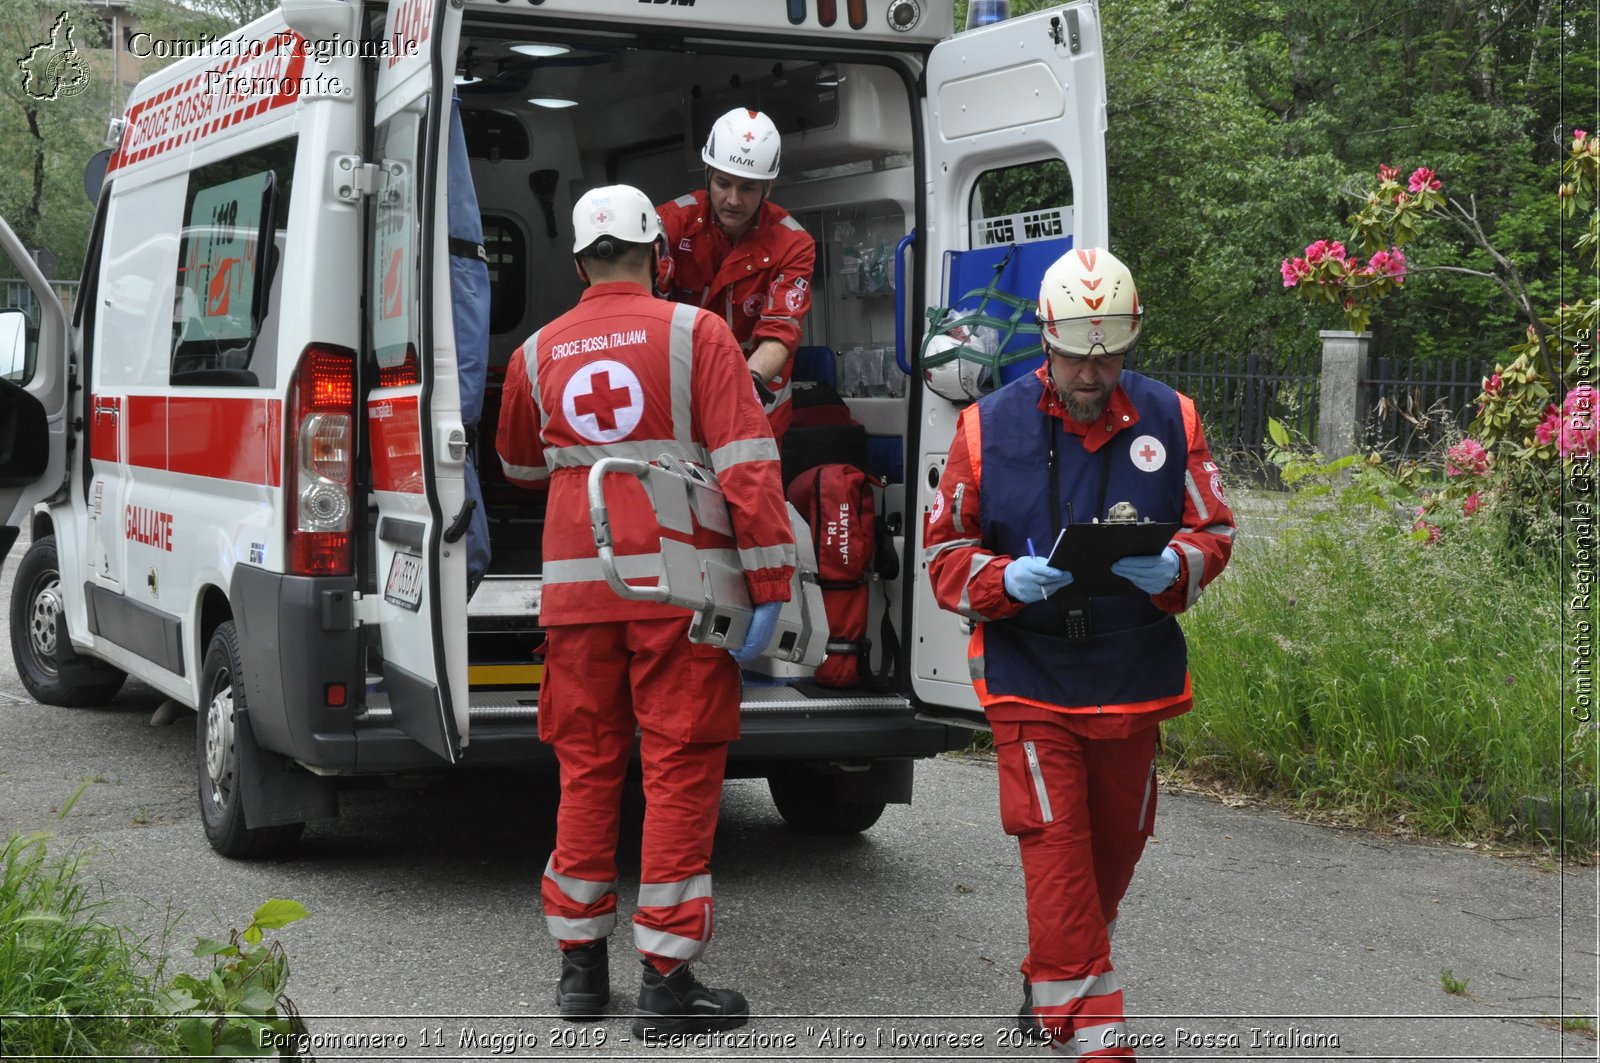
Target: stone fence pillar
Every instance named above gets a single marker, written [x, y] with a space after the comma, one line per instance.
[1344, 371]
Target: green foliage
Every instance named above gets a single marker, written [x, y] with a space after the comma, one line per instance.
[1452, 984]
[71, 982]
[240, 1009]
[1345, 662]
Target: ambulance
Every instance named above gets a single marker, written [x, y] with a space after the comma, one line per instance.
[240, 461]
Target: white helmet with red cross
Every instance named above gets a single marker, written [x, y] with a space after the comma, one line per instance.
[1088, 304]
[621, 212]
[744, 143]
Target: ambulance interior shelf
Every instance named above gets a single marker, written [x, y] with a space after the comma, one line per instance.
[990, 326]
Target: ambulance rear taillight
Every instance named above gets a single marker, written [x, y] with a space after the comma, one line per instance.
[322, 446]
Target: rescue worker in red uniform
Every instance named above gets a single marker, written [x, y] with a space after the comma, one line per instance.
[626, 374]
[1073, 686]
[739, 255]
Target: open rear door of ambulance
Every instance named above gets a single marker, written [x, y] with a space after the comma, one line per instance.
[1027, 90]
[415, 435]
[33, 389]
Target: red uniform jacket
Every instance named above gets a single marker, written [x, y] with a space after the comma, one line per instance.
[969, 579]
[624, 374]
[761, 285]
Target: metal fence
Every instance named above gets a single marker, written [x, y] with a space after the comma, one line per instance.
[16, 294]
[1416, 404]
[1236, 394]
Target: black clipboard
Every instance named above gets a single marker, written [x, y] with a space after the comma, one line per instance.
[1088, 550]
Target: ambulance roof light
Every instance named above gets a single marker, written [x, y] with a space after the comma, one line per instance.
[985, 12]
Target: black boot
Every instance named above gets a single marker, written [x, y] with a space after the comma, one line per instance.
[585, 986]
[677, 1003]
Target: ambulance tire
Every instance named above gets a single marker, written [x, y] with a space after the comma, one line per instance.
[35, 605]
[218, 742]
[810, 805]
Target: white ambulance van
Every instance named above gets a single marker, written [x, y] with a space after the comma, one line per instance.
[240, 462]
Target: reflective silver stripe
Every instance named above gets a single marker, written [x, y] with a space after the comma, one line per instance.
[934, 551]
[955, 507]
[1111, 929]
[1032, 753]
[671, 894]
[752, 558]
[1195, 496]
[661, 943]
[629, 566]
[743, 450]
[581, 890]
[530, 358]
[525, 472]
[964, 607]
[1195, 561]
[590, 929]
[1064, 1049]
[1221, 531]
[681, 353]
[975, 667]
[1094, 1038]
[582, 457]
[1060, 994]
[790, 223]
[684, 201]
[1149, 788]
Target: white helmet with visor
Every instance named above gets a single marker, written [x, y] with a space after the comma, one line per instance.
[1088, 305]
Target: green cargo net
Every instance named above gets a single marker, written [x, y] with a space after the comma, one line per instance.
[981, 326]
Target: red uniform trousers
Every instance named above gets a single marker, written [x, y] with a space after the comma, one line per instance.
[601, 681]
[1081, 810]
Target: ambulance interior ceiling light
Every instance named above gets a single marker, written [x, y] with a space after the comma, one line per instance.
[540, 51]
[553, 102]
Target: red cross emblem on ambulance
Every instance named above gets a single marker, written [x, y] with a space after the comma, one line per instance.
[603, 402]
[1148, 453]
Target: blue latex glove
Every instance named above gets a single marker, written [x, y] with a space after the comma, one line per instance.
[762, 625]
[1151, 573]
[1031, 579]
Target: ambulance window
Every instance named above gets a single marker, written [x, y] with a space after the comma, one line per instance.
[228, 275]
[503, 242]
[1018, 204]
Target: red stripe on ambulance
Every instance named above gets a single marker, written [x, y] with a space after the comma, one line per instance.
[238, 440]
[215, 99]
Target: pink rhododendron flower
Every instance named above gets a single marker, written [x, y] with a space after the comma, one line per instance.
[1579, 429]
[1493, 385]
[1291, 273]
[1387, 173]
[1316, 251]
[1421, 178]
[1336, 251]
[1544, 433]
[1577, 137]
[1467, 458]
[1472, 504]
[1390, 263]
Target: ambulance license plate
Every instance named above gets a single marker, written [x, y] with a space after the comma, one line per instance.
[404, 587]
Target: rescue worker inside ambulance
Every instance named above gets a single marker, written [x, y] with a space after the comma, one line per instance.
[626, 374]
[736, 253]
[1074, 687]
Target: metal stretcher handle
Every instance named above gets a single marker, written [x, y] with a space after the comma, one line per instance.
[600, 525]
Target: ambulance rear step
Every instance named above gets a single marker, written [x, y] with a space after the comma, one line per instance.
[523, 704]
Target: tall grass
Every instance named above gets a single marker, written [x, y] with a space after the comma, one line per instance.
[1342, 664]
[71, 982]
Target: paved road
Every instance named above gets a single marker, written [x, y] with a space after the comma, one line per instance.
[1246, 934]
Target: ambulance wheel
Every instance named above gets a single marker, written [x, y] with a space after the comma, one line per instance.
[218, 739]
[35, 605]
[810, 805]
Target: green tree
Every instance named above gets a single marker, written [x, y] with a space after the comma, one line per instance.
[54, 106]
